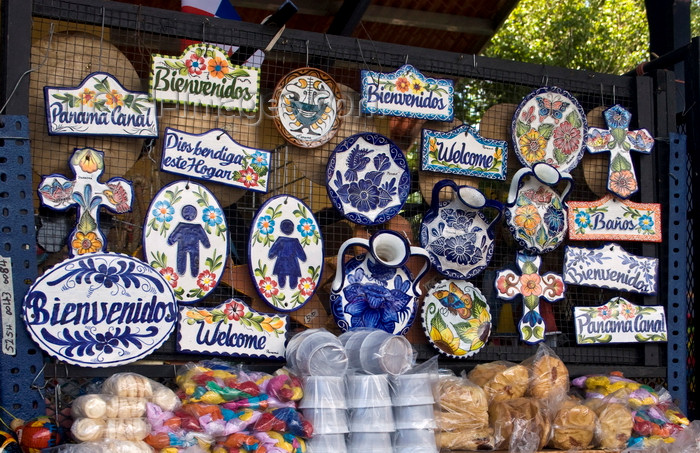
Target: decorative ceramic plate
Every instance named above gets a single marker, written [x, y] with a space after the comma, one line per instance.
[307, 107]
[100, 310]
[549, 126]
[285, 252]
[185, 238]
[367, 178]
[456, 318]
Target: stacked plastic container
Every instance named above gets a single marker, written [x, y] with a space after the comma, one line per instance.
[413, 400]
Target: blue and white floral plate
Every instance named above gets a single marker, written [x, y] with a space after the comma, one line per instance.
[367, 178]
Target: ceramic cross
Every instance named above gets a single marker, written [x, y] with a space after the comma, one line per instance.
[88, 195]
[531, 286]
[619, 141]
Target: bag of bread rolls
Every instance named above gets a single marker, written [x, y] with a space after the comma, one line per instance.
[520, 424]
[93, 429]
[108, 406]
[134, 385]
[573, 426]
[483, 372]
[102, 446]
[549, 377]
[615, 423]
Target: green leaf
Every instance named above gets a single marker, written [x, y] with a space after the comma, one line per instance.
[529, 267]
[239, 73]
[462, 331]
[560, 156]
[619, 135]
[526, 332]
[539, 332]
[619, 163]
[541, 236]
[87, 223]
[546, 130]
[521, 128]
[574, 118]
[438, 323]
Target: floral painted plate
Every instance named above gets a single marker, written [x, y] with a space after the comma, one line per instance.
[549, 126]
[367, 178]
[456, 318]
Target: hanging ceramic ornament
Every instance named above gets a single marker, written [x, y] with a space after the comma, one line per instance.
[285, 252]
[456, 318]
[307, 107]
[456, 233]
[368, 179]
[620, 321]
[619, 141]
[186, 239]
[530, 285]
[613, 219]
[535, 211]
[87, 194]
[549, 126]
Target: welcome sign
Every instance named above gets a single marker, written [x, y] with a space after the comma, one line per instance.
[100, 105]
[232, 329]
[462, 151]
[408, 93]
[215, 156]
[203, 75]
[612, 218]
[620, 321]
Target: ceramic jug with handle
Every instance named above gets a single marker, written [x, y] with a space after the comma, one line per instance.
[456, 233]
[535, 211]
[376, 289]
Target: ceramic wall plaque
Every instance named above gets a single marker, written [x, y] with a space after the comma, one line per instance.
[186, 239]
[100, 310]
[549, 126]
[88, 195]
[619, 141]
[462, 151]
[610, 267]
[620, 321]
[307, 107]
[367, 178]
[408, 93]
[614, 219]
[100, 105]
[456, 318]
[215, 156]
[203, 75]
[232, 329]
[285, 252]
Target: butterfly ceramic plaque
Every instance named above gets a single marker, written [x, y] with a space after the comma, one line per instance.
[456, 318]
[612, 218]
[285, 252]
[232, 329]
[100, 105]
[549, 126]
[620, 321]
[307, 107]
[186, 239]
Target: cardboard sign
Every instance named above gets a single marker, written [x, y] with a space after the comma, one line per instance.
[232, 329]
[610, 267]
[620, 321]
[462, 151]
[100, 105]
[612, 218]
[408, 93]
[100, 310]
[215, 156]
[203, 75]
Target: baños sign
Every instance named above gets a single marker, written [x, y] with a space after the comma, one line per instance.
[612, 218]
[232, 329]
[408, 93]
[462, 151]
[620, 321]
[203, 75]
[215, 156]
[100, 105]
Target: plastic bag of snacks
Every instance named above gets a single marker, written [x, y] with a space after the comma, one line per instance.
[133, 385]
[108, 406]
[549, 377]
[107, 445]
[519, 424]
[95, 429]
[573, 426]
[614, 425]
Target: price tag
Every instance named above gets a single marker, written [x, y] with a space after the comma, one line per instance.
[7, 307]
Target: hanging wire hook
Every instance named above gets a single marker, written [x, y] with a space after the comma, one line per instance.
[102, 35]
[602, 97]
[307, 53]
[327, 41]
[614, 95]
[361, 55]
[406, 62]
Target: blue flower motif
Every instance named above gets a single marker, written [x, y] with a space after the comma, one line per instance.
[532, 318]
[266, 225]
[382, 162]
[461, 249]
[356, 277]
[357, 161]
[372, 305]
[554, 219]
[617, 117]
[363, 195]
[582, 219]
[212, 216]
[259, 159]
[163, 211]
[306, 227]
[646, 223]
[106, 275]
[106, 342]
[457, 218]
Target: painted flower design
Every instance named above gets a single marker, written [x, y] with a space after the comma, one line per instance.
[363, 195]
[446, 341]
[259, 158]
[532, 318]
[530, 285]
[266, 225]
[86, 243]
[554, 220]
[457, 218]
[249, 177]
[217, 67]
[597, 139]
[553, 286]
[306, 227]
[507, 282]
[212, 216]
[645, 222]
[623, 183]
[268, 287]
[88, 161]
[114, 99]
[627, 310]
[567, 138]
[527, 217]
[163, 211]
[234, 310]
[461, 249]
[272, 324]
[582, 219]
[373, 305]
[170, 276]
[206, 280]
[306, 286]
[417, 86]
[195, 64]
[87, 97]
[532, 146]
[604, 312]
[402, 84]
[617, 117]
